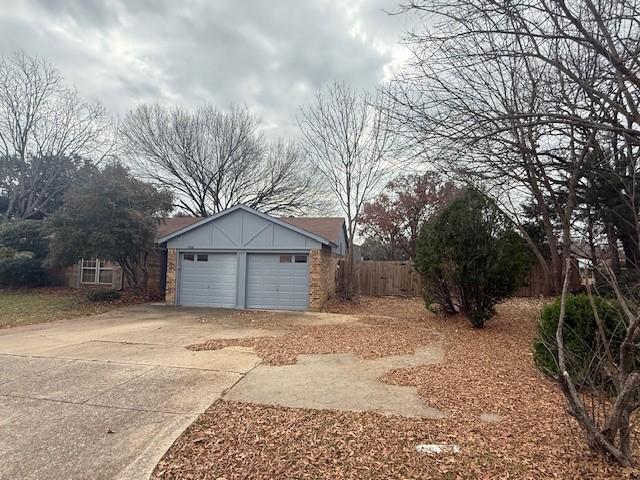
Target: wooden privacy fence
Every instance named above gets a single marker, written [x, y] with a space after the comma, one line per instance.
[380, 279]
[399, 279]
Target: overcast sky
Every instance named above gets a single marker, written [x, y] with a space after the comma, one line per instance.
[267, 54]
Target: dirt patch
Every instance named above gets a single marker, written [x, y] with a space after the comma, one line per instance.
[376, 337]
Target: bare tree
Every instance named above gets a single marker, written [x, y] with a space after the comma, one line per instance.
[348, 139]
[520, 97]
[517, 97]
[214, 159]
[42, 123]
[606, 400]
[461, 104]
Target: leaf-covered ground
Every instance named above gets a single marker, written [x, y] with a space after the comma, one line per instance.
[29, 306]
[374, 338]
[484, 371]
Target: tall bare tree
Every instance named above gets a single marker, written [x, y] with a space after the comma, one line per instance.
[348, 139]
[44, 125]
[214, 159]
[521, 97]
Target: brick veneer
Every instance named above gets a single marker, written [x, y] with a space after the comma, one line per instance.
[172, 263]
[322, 277]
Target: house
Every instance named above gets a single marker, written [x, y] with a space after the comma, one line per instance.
[238, 258]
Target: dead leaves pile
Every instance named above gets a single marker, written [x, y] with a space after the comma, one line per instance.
[488, 370]
[235, 441]
[373, 339]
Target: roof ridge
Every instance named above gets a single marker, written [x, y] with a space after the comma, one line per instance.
[314, 218]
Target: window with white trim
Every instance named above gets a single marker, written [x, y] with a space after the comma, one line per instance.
[96, 272]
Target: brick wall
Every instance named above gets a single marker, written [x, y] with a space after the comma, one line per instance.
[322, 277]
[172, 264]
[70, 276]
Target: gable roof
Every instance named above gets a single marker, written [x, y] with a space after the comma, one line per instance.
[203, 221]
[173, 224]
[327, 227]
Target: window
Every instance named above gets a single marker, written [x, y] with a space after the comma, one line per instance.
[189, 257]
[301, 259]
[96, 272]
[105, 272]
[89, 271]
[203, 257]
[285, 258]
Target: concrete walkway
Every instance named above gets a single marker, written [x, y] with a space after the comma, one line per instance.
[104, 397]
[340, 381]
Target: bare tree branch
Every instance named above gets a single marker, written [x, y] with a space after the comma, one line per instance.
[214, 159]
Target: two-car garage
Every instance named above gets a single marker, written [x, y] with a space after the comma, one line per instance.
[273, 281]
[242, 259]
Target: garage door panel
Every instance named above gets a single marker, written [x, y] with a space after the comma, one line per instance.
[273, 283]
[210, 283]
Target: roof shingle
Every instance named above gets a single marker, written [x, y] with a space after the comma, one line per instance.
[173, 224]
[325, 227]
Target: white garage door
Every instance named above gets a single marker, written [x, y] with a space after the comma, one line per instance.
[208, 279]
[279, 281]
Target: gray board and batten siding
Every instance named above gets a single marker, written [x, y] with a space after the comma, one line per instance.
[242, 258]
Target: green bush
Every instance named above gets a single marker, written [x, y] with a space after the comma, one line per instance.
[102, 295]
[22, 272]
[470, 257]
[583, 345]
[25, 236]
[23, 247]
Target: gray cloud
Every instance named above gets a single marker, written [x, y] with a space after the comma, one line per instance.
[269, 55]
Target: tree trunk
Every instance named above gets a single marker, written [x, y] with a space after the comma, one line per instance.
[445, 300]
[349, 283]
[612, 242]
[128, 269]
[631, 251]
[145, 272]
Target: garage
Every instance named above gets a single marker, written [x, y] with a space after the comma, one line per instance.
[208, 279]
[242, 258]
[278, 281]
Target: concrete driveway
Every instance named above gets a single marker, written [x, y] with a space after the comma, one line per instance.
[103, 397]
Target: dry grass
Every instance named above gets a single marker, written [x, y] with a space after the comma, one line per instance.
[41, 305]
[486, 370]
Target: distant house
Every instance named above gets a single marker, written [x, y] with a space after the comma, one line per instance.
[238, 258]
